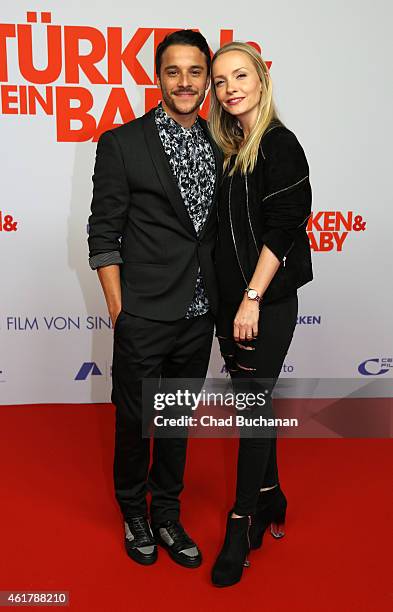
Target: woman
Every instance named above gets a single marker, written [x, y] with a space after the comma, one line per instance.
[262, 258]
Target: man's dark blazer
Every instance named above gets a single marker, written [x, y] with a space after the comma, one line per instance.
[137, 209]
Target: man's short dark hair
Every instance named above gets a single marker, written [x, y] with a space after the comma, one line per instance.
[183, 37]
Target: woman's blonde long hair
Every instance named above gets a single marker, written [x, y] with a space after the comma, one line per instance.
[225, 127]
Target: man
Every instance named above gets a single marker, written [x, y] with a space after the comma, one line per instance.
[152, 235]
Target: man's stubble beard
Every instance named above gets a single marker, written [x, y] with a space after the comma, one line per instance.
[172, 106]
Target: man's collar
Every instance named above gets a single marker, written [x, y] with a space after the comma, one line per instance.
[169, 121]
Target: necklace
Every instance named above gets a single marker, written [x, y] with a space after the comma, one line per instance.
[249, 222]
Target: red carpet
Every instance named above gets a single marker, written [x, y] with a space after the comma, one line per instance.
[61, 529]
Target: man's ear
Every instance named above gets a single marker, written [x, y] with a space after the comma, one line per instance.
[158, 82]
[207, 83]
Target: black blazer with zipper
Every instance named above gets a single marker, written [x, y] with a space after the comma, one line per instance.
[269, 207]
[137, 209]
[285, 209]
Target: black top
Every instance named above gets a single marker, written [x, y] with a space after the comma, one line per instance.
[275, 213]
[232, 214]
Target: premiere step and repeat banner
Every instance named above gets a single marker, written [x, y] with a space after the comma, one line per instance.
[70, 70]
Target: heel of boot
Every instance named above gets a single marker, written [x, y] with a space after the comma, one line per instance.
[256, 536]
[271, 514]
[277, 525]
[247, 561]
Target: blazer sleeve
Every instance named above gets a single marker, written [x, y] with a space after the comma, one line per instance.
[287, 192]
[110, 203]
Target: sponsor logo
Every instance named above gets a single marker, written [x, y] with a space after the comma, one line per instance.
[89, 368]
[287, 368]
[2, 379]
[308, 320]
[375, 366]
[7, 223]
[328, 230]
[65, 86]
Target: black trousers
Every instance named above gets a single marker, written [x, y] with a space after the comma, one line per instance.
[256, 365]
[152, 349]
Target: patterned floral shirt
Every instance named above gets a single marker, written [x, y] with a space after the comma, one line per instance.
[192, 162]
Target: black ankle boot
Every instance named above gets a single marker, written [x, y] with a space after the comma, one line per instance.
[271, 510]
[229, 565]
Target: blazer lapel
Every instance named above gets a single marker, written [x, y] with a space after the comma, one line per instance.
[161, 163]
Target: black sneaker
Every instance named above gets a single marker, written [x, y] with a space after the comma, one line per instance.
[179, 545]
[139, 540]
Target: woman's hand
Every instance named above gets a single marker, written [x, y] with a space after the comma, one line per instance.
[245, 325]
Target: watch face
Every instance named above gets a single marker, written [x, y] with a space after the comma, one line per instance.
[252, 294]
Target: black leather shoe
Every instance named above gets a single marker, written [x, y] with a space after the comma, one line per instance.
[139, 540]
[231, 561]
[179, 545]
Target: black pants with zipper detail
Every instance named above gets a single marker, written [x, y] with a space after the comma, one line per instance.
[149, 349]
[255, 365]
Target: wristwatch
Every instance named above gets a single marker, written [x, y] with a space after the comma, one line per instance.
[252, 294]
